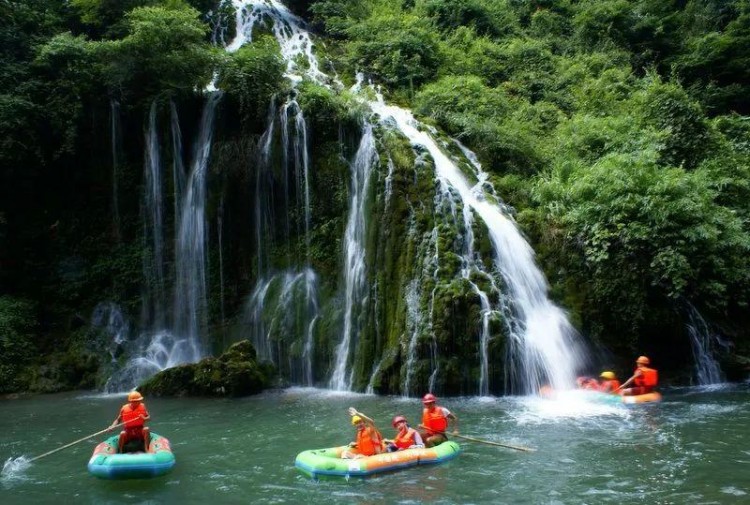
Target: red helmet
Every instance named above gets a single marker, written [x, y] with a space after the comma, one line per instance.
[135, 396]
[429, 398]
[397, 420]
[643, 360]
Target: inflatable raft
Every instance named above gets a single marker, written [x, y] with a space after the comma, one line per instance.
[607, 398]
[107, 463]
[599, 397]
[321, 463]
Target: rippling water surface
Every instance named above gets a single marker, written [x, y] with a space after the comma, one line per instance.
[692, 448]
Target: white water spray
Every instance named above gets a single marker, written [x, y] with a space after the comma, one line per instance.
[354, 256]
[704, 343]
[542, 339]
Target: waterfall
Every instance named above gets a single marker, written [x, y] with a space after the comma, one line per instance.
[160, 344]
[153, 262]
[542, 346]
[354, 256]
[704, 343]
[280, 317]
[294, 40]
[178, 168]
[542, 341]
[190, 250]
[413, 325]
[108, 318]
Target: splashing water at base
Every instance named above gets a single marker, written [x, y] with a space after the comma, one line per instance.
[14, 467]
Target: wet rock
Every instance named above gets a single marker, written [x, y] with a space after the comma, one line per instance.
[234, 373]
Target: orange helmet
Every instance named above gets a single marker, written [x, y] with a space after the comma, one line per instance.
[135, 396]
[397, 420]
[643, 360]
[429, 398]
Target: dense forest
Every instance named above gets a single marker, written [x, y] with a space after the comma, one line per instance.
[617, 130]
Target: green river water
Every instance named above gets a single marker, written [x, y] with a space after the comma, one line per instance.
[694, 447]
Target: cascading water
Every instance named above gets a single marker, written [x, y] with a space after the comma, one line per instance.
[704, 343]
[178, 168]
[543, 348]
[190, 249]
[153, 262]
[294, 40]
[354, 256]
[543, 343]
[299, 288]
[109, 319]
[284, 303]
[159, 347]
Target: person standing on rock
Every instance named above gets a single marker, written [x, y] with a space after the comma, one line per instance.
[435, 420]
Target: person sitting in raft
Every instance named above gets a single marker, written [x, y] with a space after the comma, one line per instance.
[609, 383]
[435, 421]
[645, 379]
[369, 441]
[406, 437]
[587, 383]
[134, 415]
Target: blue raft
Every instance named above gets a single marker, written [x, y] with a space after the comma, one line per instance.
[107, 463]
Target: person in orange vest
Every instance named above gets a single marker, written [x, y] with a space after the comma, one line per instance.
[435, 420]
[406, 437]
[368, 441]
[134, 415]
[587, 383]
[645, 379]
[609, 383]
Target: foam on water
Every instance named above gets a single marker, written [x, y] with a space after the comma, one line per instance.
[323, 393]
[566, 405]
[13, 468]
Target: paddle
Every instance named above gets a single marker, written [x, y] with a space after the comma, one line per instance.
[76, 442]
[488, 442]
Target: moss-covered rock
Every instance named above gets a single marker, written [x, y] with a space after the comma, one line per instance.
[234, 373]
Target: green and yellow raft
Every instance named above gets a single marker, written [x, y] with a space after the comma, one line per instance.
[322, 463]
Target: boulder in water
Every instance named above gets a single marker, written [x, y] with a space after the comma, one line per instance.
[234, 373]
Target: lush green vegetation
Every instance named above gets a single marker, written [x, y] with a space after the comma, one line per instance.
[607, 125]
[617, 129]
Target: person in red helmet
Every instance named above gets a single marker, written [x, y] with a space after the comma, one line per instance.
[406, 437]
[435, 421]
[644, 377]
[134, 415]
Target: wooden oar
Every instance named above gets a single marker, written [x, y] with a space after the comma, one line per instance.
[488, 442]
[76, 442]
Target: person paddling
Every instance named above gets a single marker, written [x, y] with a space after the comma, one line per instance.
[609, 383]
[406, 437]
[134, 415]
[435, 420]
[368, 440]
[645, 379]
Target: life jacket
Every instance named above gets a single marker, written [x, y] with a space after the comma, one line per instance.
[648, 378]
[609, 386]
[435, 421]
[366, 441]
[132, 416]
[405, 441]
